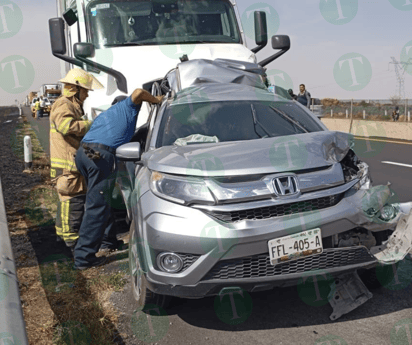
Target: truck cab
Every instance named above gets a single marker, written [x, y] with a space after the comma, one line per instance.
[125, 44]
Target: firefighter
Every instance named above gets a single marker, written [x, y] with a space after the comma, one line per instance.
[96, 161]
[67, 128]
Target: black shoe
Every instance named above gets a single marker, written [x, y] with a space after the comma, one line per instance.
[112, 248]
[95, 262]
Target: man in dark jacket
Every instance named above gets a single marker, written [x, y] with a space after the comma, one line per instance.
[303, 96]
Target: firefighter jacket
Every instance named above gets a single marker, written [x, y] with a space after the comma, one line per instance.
[67, 129]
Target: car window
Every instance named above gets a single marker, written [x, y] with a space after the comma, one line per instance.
[234, 121]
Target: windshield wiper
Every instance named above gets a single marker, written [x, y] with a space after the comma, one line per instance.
[293, 121]
[126, 44]
[256, 122]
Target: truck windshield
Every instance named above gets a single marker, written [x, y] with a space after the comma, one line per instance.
[158, 22]
[234, 121]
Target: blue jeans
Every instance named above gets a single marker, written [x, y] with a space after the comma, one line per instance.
[39, 113]
[98, 228]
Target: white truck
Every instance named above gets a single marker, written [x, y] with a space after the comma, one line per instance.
[126, 44]
[50, 91]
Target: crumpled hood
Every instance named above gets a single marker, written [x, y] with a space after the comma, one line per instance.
[264, 156]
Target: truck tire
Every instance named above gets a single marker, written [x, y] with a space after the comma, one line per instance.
[140, 292]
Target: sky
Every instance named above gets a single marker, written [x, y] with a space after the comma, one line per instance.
[339, 48]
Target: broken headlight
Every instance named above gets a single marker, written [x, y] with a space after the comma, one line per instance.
[181, 189]
[354, 168]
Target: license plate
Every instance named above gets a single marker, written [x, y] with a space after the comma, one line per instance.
[296, 246]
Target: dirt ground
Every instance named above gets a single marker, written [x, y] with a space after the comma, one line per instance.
[60, 305]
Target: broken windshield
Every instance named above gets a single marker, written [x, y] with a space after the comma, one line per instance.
[234, 121]
[120, 23]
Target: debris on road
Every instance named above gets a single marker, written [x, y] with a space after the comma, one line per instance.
[349, 294]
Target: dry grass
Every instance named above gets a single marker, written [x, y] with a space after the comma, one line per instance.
[60, 305]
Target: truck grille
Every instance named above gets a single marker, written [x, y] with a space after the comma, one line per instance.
[258, 266]
[278, 210]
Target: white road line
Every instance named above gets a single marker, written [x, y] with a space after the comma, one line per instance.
[400, 164]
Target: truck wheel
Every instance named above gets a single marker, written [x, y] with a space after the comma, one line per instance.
[141, 294]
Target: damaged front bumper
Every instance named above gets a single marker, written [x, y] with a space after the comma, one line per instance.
[375, 216]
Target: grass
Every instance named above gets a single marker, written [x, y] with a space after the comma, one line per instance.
[61, 305]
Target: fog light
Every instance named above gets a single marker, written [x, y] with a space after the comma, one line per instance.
[388, 212]
[169, 262]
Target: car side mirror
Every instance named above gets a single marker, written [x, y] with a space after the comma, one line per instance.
[83, 50]
[129, 152]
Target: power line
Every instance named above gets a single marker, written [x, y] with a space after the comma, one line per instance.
[400, 69]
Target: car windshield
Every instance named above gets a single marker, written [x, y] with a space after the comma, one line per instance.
[234, 121]
[158, 22]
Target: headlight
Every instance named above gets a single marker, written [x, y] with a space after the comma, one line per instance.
[183, 190]
[388, 212]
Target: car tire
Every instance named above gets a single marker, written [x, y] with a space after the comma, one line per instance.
[142, 295]
[372, 281]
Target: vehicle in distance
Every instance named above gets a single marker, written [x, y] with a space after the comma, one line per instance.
[229, 185]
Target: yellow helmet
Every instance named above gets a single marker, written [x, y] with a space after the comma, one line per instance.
[77, 76]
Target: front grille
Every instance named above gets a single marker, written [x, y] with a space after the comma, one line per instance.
[258, 266]
[277, 210]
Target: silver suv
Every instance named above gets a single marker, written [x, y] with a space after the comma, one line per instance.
[229, 185]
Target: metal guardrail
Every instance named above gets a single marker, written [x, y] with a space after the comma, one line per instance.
[12, 325]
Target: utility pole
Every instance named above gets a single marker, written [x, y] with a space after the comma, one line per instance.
[400, 69]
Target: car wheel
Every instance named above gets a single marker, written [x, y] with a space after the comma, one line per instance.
[378, 276]
[141, 293]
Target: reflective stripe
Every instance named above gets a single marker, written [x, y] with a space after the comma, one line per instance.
[88, 125]
[53, 128]
[59, 231]
[63, 164]
[65, 126]
[67, 233]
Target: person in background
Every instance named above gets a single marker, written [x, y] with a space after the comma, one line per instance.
[303, 96]
[42, 106]
[37, 108]
[291, 94]
[396, 114]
